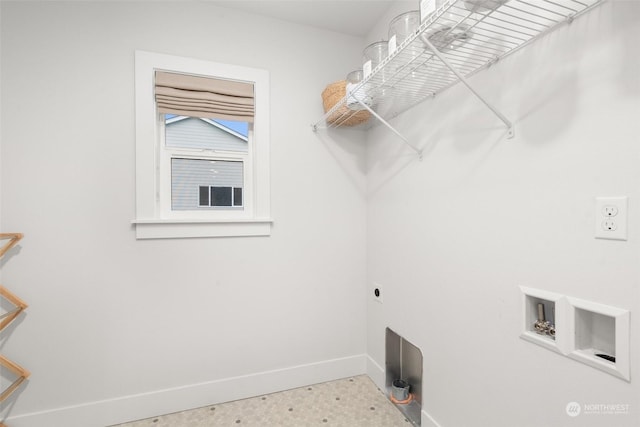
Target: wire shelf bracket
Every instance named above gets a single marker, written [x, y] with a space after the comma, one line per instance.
[390, 127]
[441, 57]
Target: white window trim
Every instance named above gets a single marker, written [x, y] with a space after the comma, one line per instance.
[151, 222]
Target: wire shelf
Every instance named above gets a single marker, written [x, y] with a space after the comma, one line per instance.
[469, 35]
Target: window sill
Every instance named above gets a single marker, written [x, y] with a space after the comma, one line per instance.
[191, 228]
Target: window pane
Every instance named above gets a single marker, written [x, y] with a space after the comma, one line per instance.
[190, 176]
[206, 134]
[204, 196]
[220, 196]
[237, 197]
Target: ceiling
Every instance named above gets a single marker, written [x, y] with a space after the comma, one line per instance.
[355, 17]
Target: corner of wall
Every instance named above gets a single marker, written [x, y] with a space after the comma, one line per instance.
[375, 372]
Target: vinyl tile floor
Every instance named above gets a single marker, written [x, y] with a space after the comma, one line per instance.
[349, 402]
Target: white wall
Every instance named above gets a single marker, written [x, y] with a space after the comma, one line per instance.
[451, 238]
[118, 329]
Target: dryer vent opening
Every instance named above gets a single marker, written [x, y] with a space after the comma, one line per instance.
[403, 375]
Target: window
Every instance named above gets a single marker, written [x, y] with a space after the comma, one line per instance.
[193, 148]
[219, 197]
[202, 148]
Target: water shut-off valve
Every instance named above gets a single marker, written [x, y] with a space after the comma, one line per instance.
[543, 326]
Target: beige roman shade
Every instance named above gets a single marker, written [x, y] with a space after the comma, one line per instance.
[188, 95]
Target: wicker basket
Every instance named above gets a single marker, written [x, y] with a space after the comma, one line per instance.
[343, 116]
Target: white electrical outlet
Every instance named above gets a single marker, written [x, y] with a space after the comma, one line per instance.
[376, 292]
[611, 218]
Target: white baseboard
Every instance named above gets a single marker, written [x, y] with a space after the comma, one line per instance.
[376, 373]
[427, 420]
[145, 405]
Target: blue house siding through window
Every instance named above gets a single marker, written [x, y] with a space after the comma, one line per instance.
[205, 134]
[189, 175]
[198, 184]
